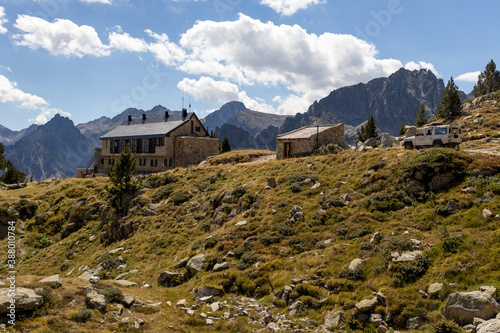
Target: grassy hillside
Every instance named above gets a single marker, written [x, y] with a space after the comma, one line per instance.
[344, 199]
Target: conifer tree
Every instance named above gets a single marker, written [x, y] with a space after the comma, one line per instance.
[450, 101]
[488, 81]
[225, 146]
[121, 174]
[402, 129]
[420, 119]
[368, 130]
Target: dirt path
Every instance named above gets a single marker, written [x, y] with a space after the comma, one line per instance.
[261, 159]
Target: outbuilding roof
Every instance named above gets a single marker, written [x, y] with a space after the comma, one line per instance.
[148, 128]
[305, 132]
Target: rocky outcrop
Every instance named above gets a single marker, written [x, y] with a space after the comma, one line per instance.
[490, 326]
[170, 279]
[464, 307]
[334, 319]
[53, 281]
[94, 300]
[196, 264]
[25, 300]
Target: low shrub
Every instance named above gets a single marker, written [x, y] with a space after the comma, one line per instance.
[113, 295]
[247, 259]
[410, 272]
[81, 316]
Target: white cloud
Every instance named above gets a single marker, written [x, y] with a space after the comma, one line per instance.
[106, 2]
[290, 7]
[421, 64]
[469, 77]
[6, 68]
[248, 52]
[219, 92]
[124, 42]
[3, 20]
[9, 93]
[164, 50]
[61, 37]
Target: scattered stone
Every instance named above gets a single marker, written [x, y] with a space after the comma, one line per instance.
[121, 276]
[406, 256]
[205, 299]
[241, 224]
[487, 213]
[372, 142]
[125, 283]
[216, 306]
[94, 279]
[128, 300]
[360, 146]
[452, 206]
[334, 319]
[345, 197]
[381, 298]
[355, 264]
[376, 238]
[376, 319]
[490, 290]
[490, 326]
[423, 294]
[53, 281]
[385, 140]
[220, 267]
[92, 238]
[383, 329]
[292, 310]
[463, 307]
[413, 323]
[116, 250]
[435, 289]
[316, 186]
[170, 279]
[121, 267]
[95, 300]
[273, 327]
[366, 305]
[196, 264]
[181, 303]
[477, 321]
[25, 300]
[208, 291]
[209, 321]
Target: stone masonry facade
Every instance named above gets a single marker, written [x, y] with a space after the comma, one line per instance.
[307, 139]
[182, 143]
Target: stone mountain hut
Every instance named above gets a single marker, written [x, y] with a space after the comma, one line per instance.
[307, 139]
[159, 144]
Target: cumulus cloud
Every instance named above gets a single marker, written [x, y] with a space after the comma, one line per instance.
[164, 50]
[218, 92]
[290, 7]
[421, 64]
[469, 77]
[248, 52]
[106, 2]
[9, 93]
[124, 42]
[61, 37]
[3, 20]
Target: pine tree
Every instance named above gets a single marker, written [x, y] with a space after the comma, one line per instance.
[402, 129]
[121, 174]
[450, 101]
[225, 146]
[12, 174]
[420, 119]
[488, 81]
[368, 130]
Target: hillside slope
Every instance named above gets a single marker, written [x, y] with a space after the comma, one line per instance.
[277, 239]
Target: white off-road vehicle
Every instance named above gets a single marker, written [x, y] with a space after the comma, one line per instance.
[435, 135]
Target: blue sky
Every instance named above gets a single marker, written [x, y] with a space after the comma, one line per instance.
[91, 58]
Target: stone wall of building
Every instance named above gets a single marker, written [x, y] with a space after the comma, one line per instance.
[301, 146]
[191, 150]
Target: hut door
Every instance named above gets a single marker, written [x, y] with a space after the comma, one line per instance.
[287, 149]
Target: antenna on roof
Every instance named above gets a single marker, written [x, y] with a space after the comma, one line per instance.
[189, 104]
[184, 110]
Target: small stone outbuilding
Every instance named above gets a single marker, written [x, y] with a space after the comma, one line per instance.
[307, 139]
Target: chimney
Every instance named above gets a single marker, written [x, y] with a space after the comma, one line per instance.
[184, 113]
[166, 115]
[129, 119]
[143, 118]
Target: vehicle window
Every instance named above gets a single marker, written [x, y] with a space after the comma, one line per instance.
[455, 130]
[429, 132]
[440, 131]
[420, 132]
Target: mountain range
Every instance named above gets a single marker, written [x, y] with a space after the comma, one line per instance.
[58, 148]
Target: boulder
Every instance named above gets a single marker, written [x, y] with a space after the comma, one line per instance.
[385, 140]
[355, 264]
[490, 326]
[490, 290]
[220, 267]
[128, 300]
[216, 306]
[372, 142]
[463, 307]
[94, 279]
[182, 263]
[334, 319]
[435, 289]
[96, 301]
[376, 238]
[366, 305]
[125, 283]
[376, 319]
[208, 291]
[407, 256]
[196, 264]
[360, 146]
[170, 279]
[25, 300]
[53, 281]
[410, 131]
[487, 213]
